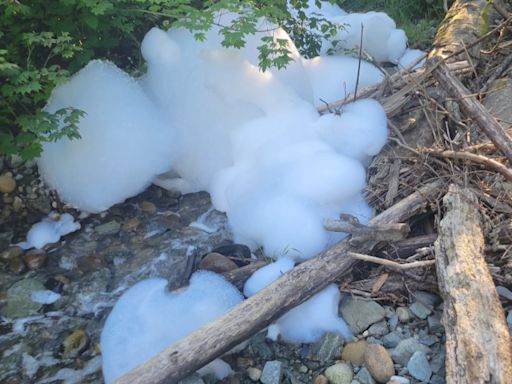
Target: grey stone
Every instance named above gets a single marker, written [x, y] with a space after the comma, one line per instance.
[437, 363]
[391, 340]
[364, 376]
[404, 315]
[272, 372]
[509, 320]
[327, 348]
[110, 228]
[254, 373]
[360, 314]
[260, 347]
[434, 323]
[378, 329]
[419, 367]
[437, 379]
[393, 322]
[420, 310]
[399, 380]
[405, 349]
[339, 374]
[192, 379]
[504, 292]
[390, 311]
[19, 300]
[428, 340]
[5, 240]
[426, 298]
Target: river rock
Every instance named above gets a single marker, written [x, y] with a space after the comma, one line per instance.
[405, 349]
[328, 348]
[110, 228]
[379, 362]
[364, 376]
[321, 379]
[35, 259]
[19, 299]
[404, 316]
[360, 314]
[399, 380]
[378, 329]
[218, 263]
[254, 373]
[434, 323]
[339, 374]
[391, 340]
[272, 372]
[7, 183]
[354, 352]
[419, 367]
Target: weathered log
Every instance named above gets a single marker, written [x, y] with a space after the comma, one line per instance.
[239, 276]
[257, 312]
[407, 247]
[475, 110]
[478, 345]
[361, 233]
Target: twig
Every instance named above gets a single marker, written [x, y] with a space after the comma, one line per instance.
[391, 264]
[359, 62]
[360, 232]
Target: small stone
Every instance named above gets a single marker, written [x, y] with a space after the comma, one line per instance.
[19, 299]
[504, 292]
[418, 366]
[35, 259]
[509, 320]
[303, 369]
[399, 380]
[7, 184]
[405, 349]
[391, 340]
[131, 225]
[148, 206]
[16, 265]
[364, 376]
[339, 374]
[321, 379]
[378, 329]
[254, 373]
[434, 324]
[360, 314]
[5, 240]
[75, 344]
[390, 311]
[192, 379]
[30, 365]
[403, 314]
[379, 363]
[110, 228]
[420, 310]
[429, 340]
[11, 253]
[218, 263]
[272, 372]
[437, 363]
[426, 298]
[327, 348]
[393, 322]
[354, 352]
[437, 379]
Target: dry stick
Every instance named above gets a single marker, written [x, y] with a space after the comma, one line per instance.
[293, 288]
[486, 161]
[475, 110]
[360, 232]
[478, 345]
[359, 62]
[390, 263]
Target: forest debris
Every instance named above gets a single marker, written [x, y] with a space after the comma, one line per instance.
[361, 233]
[391, 264]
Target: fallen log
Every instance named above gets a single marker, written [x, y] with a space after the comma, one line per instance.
[293, 288]
[478, 345]
[475, 110]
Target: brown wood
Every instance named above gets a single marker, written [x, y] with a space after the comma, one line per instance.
[257, 312]
[478, 345]
[475, 110]
[239, 276]
[361, 233]
[408, 247]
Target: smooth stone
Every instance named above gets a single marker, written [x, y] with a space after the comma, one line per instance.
[437, 379]
[509, 320]
[364, 376]
[254, 373]
[75, 344]
[321, 379]
[11, 253]
[35, 259]
[16, 265]
[504, 292]
[147, 206]
[354, 352]
[7, 184]
[434, 323]
[429, 340]
[393, 322]
[328, 348]
[437, 363]
[378, 329]
[218, 263]
[420, 310]
[339, 374]
[110, 228]
[19, 299]
[192, 379]
[360, 314]
[272, 372]
[130, 225]
[391, 340]
[404, 316]
[379, 363]
[426, 298]
[399, 380]
[405, 349]
[419, 367]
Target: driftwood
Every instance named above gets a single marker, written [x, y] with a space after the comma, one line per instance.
[239, 276]
[407, 247]
[475, 110]
[257, 312]
[361, 233]
[478, 345]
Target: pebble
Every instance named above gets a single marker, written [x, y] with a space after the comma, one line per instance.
[504, 292]
[131, 224]
[426, 298]
[147, 206]
[399, 380]
[218, 263]
[360, 314]
[354, 352]
[405, 349]
[364, 376]
[404, 316]
[327, 348]
[437, 363]
[420, 310]
[379, 363]
[378, 329]
[75, 344]
[35, 259]
[391, 340]
[419, 367]
[339, 374]
[272, 372]
[393, 322]
[434, 323]
[509, 320]
[19, 299]
[192, 379]
[321, 379]
[7, 183]
[254, 373]
[110, 228]
[11, 253]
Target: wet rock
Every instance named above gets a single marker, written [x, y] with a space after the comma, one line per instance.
[253, 373]
[328, 348]
[437, 379]
[405, 349]
[192, 379]
[379, 363]
[399, 380]
[218, 263]
[16, 266]
[404, 316]
[437, 363]
[5, 240]
[30, 366]
[339, 374]
[419, 367]
[391, 340]
[260, 346]
[75, 344]
[11, 253]
[240, 251]
[147, 206]
[272, 372]
[434, 323]
[420, 310]
[378, 329]
[35, 259]
[131, 224]
[91, 263]
[504, 292]
[321, 379]
[110, 228]
[7, 183]
[428, 340]
[426, 298]
[360, 314]
[509, 320]
[19, 299]
[354, 352]
[393, 322]
[364, 376]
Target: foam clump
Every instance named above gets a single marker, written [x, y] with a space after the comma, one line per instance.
[147, 318]
[307, 322]
[124, 143]
[50, 230]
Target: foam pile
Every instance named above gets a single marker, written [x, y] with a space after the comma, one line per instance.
[49, 230]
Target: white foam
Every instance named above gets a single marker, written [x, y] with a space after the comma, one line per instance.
[50, 230]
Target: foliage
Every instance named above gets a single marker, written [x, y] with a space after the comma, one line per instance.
[44, 42]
